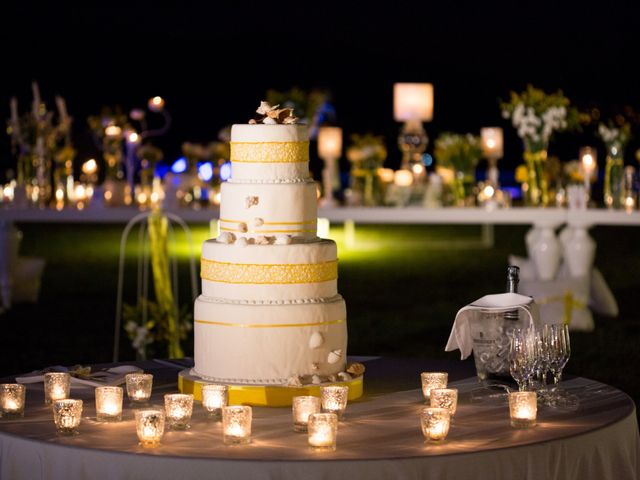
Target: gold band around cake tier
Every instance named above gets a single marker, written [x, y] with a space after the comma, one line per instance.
[274, 274]
[270, 152]
[269, 325]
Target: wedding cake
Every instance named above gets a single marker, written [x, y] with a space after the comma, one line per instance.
[270, 312]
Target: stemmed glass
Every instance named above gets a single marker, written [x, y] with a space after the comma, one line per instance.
[522, 356]
[559, 349]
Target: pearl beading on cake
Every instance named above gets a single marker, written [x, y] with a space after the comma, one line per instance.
[299, 301]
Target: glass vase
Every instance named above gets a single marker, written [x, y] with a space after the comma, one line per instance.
[537, 193]
[462, 188]
[613, 178]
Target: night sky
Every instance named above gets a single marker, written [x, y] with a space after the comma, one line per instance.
[213, 62]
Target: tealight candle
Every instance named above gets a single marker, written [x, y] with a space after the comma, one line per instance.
[12, 397]
[109, 404]
[301, 408]
[150, 427]
[178, 408]
[445, 398]
[236, 424]
[334, 399]
[435, 423]
[431, 380]
[57, 386]
[214, 397]
[523, 409]
[67, 414]
[139, 387]
[323, 431]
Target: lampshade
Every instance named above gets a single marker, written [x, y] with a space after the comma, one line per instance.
[412, 101]
[330, 142]
[492, 141]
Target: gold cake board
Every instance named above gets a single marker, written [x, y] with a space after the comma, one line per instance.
[264, 395]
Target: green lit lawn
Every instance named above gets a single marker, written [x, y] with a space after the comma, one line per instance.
[402, 295]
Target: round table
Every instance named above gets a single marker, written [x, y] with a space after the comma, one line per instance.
[379, 437]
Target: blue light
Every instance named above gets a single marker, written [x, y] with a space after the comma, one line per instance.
[225, 171]
[427, 160]
[179, 166]
[205, 171]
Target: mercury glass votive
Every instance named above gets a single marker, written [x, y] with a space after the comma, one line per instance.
[150, 427]
[57, 386]
[178, 408]
[236, 424]
[445, 398]
[334, 399]
[431, 380]
[12, 397]
[139, 386]
[323, 431]
[523, 409]
[301, 408]
[435, 423]
[214, 397]
[67, 414]
[109, 404]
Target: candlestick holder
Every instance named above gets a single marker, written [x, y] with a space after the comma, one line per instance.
[431, 380]
[139, 386]
[435, 423]
[150, 427]
[67, 414]
[302, 407]
[12, 397]
[57, 386]
[323, 431]
[109, 404]
[236, 424]
[214, 397]
[334, 399]
[178, 409]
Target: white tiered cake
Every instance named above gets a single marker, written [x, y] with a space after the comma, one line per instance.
[270, 312]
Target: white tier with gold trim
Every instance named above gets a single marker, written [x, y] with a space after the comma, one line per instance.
[270, 153]
[269, 209]
[296, 272]
[268, 343]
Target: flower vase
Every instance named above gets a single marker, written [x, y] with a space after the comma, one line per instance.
[537, 193]
[546, 253]
[613, 176]
[461, 187]
[579, 251]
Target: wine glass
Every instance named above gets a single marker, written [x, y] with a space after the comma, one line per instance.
[522, 357]
[559, 348]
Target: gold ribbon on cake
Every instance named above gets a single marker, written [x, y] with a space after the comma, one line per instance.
[248, 273]
[270, 152]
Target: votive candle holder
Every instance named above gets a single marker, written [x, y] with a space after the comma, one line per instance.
[67, 414]
[214, 397]
[12, 396]
[323, 431]
[109, 404]
[236, 424]
[445, 398]
[150, 427]
[334, 399]
[57, 386]
[139, 386]
[178, 408]
[523, 409]
[301, 408]
[431, 380]
[435, 423]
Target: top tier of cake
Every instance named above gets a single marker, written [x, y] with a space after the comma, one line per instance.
[270, 153]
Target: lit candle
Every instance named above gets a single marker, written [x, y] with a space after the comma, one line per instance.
[413, 102]
[386, 175]
[334, 399]
[236, 424]
[214, 397]
[435, 423]
[113, 131]
[90, 166]
[523, 409]
[109, 404]
[57, 386]
[330, 142]
[492, 142]
[12, 397]
[301, 408]
[403, 178]
[139, 386]
[432, 380]
[445, 398]
[588, 161]
[149, 427]
[323, 431]
[178, 409]
[156, 104]
[67, 415]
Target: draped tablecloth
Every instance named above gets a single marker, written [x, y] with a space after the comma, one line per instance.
[380, 437]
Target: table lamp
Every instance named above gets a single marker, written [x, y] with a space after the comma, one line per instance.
[412, 104]
[330, 150]
[493, 149]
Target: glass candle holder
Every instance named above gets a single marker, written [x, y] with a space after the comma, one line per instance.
[67, 414]
[323, 431]
[435, 423]
[139, 386]
[431, 380]
[178, 408]
[150, 427]
[523, 409]
[12, 397]
[109, 404]
[214, 397]
[301, 408]
[57, 386]
[236, 424]
[334, 399]
[445, 398]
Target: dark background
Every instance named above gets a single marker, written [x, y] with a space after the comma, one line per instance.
[213, 61]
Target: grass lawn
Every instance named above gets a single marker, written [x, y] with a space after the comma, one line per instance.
[402, 295]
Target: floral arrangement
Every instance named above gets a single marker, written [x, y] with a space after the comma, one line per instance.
[367, 151]
[615, 137]
[460, 153]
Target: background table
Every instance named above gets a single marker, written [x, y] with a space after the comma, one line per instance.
[379, 438]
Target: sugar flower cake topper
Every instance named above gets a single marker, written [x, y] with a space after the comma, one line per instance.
[273, 115]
